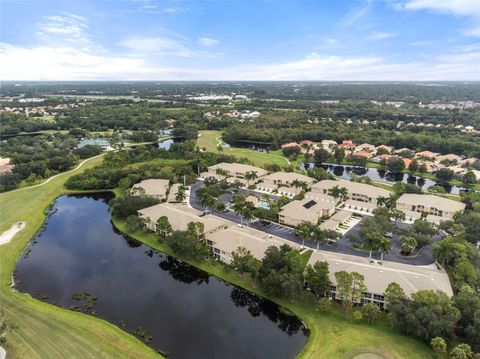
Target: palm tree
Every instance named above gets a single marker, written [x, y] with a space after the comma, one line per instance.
[384, 246]
[304, 231]
[239, 205]
[397, 215]
[331, 235]
[221, 172]
[319, 236]
[180, 195]
[247, 213]
[343, 193]
[250, 176]
[219, 148]
[208, 202]
[335, 192]
[372, 242]
[163, 226]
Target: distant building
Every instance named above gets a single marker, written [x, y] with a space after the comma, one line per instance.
[365, 147]
[429, 155]
[236, 170]
[434, 208]
[101, 142]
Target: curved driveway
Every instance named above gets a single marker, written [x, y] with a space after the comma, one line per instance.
[343, 245]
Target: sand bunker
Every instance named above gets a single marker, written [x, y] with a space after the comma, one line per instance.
[7, 236]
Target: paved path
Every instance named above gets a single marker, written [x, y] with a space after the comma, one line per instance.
[60, 174]
[342, 245]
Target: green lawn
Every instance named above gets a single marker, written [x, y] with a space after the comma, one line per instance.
[210, 139]
[332, 336]
[39, 330]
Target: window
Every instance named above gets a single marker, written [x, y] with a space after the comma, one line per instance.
[378, 297]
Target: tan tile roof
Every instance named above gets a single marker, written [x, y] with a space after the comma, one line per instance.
[352, 187]
[378, 277]
[153, 187]
[307, 209]
[431, 201]
[288, 177]
[238, 168]
[180, 216]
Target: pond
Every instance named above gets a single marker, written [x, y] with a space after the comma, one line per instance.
[346, 172]
[165, 144]
[188, 313]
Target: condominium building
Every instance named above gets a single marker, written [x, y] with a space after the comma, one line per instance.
[434, 208]
[307, 210]
[357, 192]
[151, 187]
[236, 170]
[377, 277]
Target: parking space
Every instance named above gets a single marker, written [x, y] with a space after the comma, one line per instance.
[342, 245]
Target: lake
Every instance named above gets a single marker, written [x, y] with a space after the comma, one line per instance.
[188, 313]
[346, 172]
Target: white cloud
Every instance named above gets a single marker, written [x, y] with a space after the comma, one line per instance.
[473, 31]
[65, 27]
[379, 36]
[356, 13]
[69, 63]
[174, 45]
[454, 7]
[208, 41]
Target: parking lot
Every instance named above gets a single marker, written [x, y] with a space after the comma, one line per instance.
[342, 245]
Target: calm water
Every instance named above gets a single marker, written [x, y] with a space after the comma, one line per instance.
[188, 313]
[165, 144]
[346, 172]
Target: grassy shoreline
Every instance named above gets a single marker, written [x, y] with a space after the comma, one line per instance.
[38, 329]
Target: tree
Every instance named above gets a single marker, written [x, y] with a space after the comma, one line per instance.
[413, 166]
[324, 304]
[344, 285]
[394, 293]
[397, 215]
[357, 314]
[408, 244]
[133, 223]
[181, 194]
[320, 156]
[439, 346]
[444, 174]
[242, 260]
[371, 311]
[196, 229]
[247, 213]
[469, 178]
[163, 227]
[384, 246]
[208, 202]
[304, 231]
[221, 172]
[339, 155]
[395, 164]
[219, 148]
[461, 351]
[251, 176]
[318, 279]
[372, 241]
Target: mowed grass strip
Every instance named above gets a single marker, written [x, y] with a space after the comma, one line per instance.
[210, 140]
[332, 335]
[40, 330]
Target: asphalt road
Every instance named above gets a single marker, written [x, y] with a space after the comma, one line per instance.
[342, 245]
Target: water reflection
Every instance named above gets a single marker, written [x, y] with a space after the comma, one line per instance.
[188, 313]
[382, 175]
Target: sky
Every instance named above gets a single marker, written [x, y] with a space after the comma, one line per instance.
[364, 40]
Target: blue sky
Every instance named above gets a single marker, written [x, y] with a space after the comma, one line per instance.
[240, 40]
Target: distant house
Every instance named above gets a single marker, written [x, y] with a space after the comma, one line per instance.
[450, 157]
[384, 147]
[151, 187]
[365, 147]
[347, 145]
[429, 155]
[362, 154]
[5, 165]
[434, 208]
